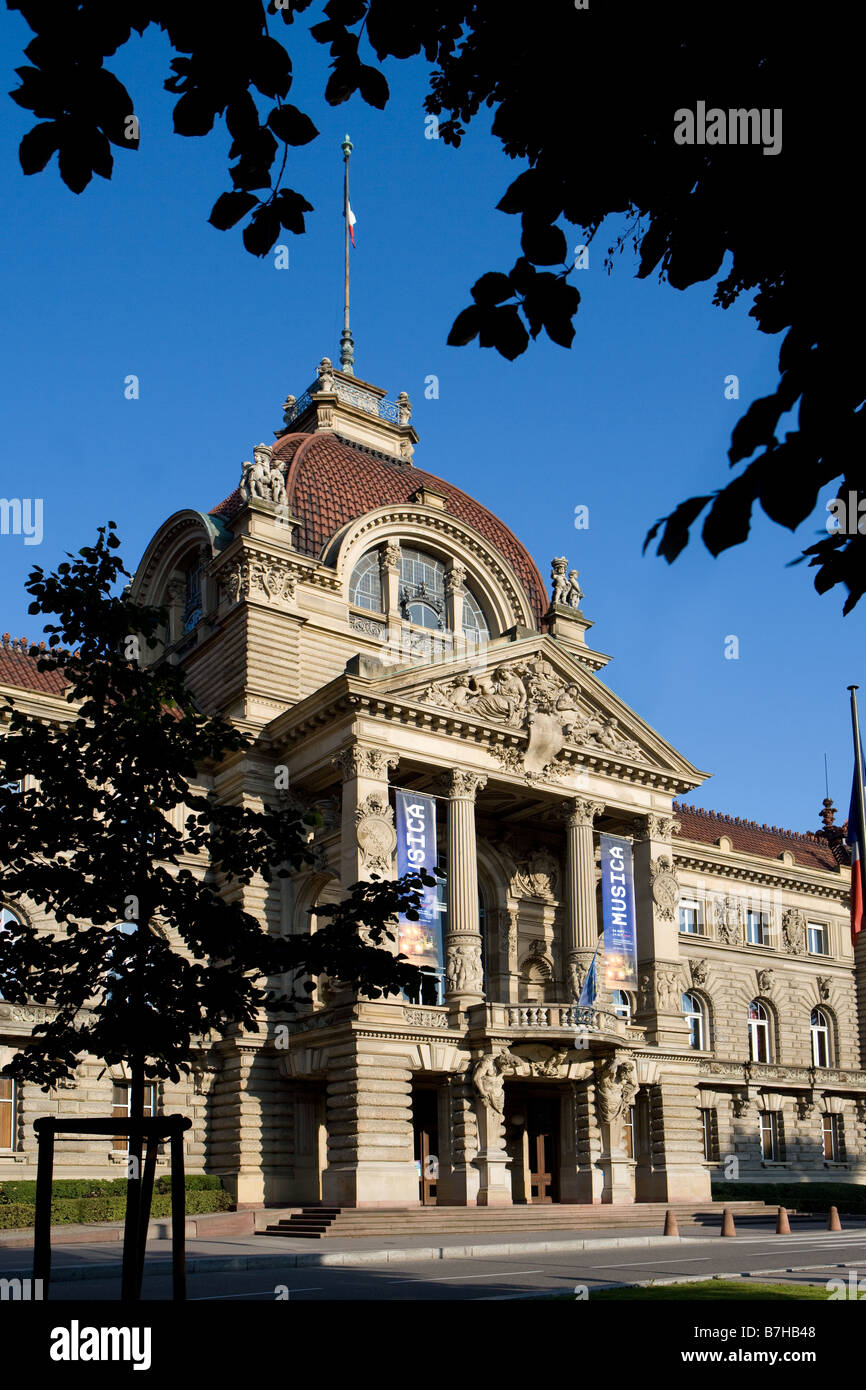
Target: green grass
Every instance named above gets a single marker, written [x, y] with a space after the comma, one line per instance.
[715, 1291]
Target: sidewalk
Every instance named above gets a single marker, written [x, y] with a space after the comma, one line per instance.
[99, 1260]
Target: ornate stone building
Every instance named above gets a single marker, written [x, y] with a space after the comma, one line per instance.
[375, 628]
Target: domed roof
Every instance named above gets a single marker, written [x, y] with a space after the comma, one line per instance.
[331, 482]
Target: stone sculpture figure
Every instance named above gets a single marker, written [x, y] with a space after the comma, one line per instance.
[573, 593]
[488, 1082]
[559, 580]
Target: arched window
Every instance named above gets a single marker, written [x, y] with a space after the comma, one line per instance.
[193, 603]
[365, 585]
[474, 621]
[759, 1032]
[695, 1015]
[621, 1004]
[7, 919]
[820, 1029]
[422, 589]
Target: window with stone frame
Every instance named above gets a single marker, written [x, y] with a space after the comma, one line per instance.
[622, 1005]
[628, 1128]
[833, 1138]
[8, 1101]
[772, 1137]
[821, 1034]
[757, 927]
[759, 1032]
[818, 939]
[121, 1100]
[695, 1014]
[710, 1132]
[690, 917]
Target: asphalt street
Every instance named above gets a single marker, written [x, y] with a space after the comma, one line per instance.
[815, 1257]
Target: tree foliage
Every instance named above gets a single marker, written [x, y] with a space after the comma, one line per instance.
[156, 955]
[586, 99]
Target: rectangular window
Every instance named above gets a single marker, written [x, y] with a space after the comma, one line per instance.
[120, 1101]
[830, 1129]
[7, 1112]
[758, 928]
[710, 1126]
[690, 917]
[628, 1131]
[772, 1137]
[818, 939]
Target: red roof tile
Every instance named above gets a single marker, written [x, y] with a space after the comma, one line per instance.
[747, 837]
[331, 482]
[17, 667]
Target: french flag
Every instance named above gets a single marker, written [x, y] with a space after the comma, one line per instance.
[856, 839]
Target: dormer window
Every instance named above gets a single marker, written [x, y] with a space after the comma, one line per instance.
[193, 607]
[365, 586]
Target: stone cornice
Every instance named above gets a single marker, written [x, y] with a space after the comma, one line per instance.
[347, 692]
[259, 555]
[820, 882]
[732, 1072]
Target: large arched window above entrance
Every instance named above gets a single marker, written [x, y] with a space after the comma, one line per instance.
[365, 585]
[422, 589]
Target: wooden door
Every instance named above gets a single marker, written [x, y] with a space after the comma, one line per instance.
[425, 1107]
[543, 1136]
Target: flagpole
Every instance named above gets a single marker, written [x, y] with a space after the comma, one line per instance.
[858, 766]
[347, 347]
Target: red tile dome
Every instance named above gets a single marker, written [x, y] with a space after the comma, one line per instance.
[331, 482]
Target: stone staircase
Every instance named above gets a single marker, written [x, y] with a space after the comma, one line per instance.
[313, 1223]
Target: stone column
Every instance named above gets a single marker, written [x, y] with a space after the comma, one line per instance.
[369, 1119]
[660, 973]
[581, 935]
[464, 979]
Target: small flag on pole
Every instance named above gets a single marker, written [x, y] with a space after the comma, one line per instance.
[590, 987]
[350, 217]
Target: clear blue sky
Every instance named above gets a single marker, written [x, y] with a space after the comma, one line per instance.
[129, 278]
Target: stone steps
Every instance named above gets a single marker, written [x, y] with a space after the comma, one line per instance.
[313, 1223]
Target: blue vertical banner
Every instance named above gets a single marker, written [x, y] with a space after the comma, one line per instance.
[617, 894]
[421, 941]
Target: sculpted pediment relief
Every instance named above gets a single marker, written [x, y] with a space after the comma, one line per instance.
[551, 700]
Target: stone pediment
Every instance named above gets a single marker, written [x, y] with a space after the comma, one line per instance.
[557, 707]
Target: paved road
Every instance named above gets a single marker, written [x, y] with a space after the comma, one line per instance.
[823, 1256]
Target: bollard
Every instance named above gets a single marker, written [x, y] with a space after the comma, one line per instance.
[671, 1227]
[728, 1228]
[783, 1225]
[834, 1224]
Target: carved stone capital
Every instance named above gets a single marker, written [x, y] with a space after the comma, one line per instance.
[580, 812]
[463, 786]
[455, 579]
[355, 761]
[655, 827]
[391, 555]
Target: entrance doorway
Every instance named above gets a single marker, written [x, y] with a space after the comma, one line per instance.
[425, 1117]
[542, 1132]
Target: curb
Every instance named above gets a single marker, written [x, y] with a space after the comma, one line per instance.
[216, 1264]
